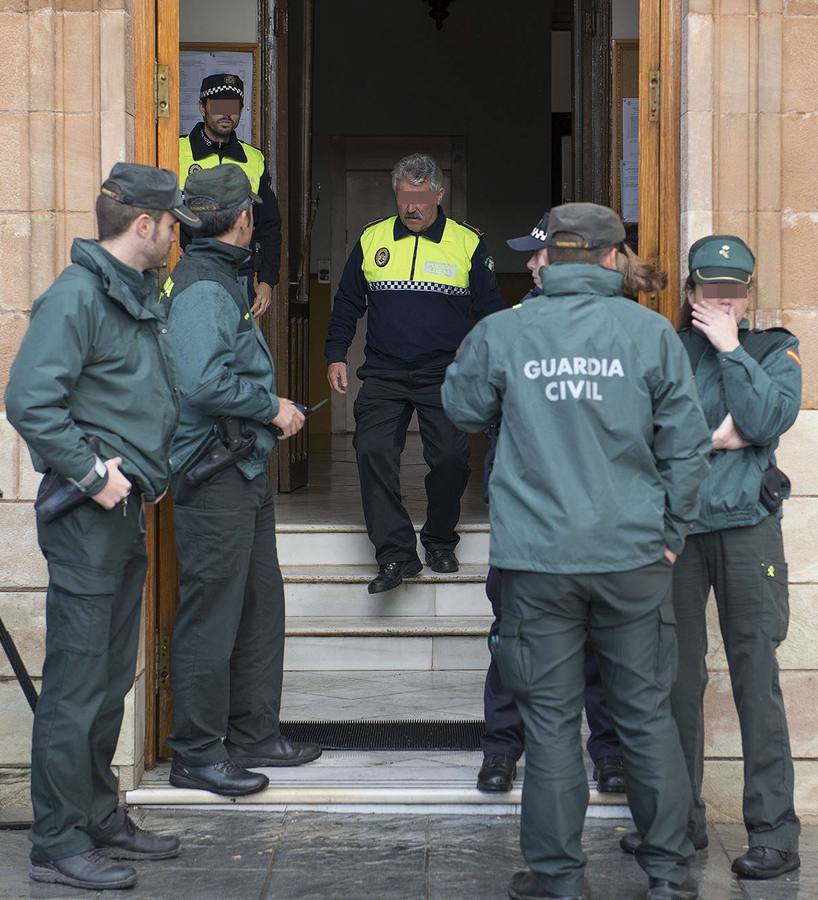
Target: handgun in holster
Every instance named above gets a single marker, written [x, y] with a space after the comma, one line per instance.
[224, 447]
[58, 495]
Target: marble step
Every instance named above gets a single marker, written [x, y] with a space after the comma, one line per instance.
[331, 545]
[382, 643]
[375, 782]
[342, 591]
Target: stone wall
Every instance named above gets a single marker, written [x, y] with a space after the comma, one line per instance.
[66, 97]
[749, 158]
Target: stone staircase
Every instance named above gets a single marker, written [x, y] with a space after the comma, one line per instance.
[416, 652]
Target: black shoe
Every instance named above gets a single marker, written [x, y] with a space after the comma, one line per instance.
[765, 862]
[630, 842]
[526, 886]
[497, 773]
[390, 575]
[133, 842]
[662, 889]
[221, 778]
[610, 775]
[89, 870]
[442, 561]
[277, 751]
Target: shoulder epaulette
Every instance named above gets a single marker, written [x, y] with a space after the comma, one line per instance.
[375, 222]
[246, 144]
[779, 329]
[473, 228]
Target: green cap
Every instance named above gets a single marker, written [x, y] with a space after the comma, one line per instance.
[721, 257]
[222, 187]
[596, 226]
[148, 188]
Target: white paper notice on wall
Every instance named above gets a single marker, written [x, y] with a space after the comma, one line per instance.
[198, 64]
[629, 189]
[630, 129]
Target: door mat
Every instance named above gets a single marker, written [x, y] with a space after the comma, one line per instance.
[397, 734]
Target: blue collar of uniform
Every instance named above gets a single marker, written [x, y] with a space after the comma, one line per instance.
[433, 233]
[201, 146]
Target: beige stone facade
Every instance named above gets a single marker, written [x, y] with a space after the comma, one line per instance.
[67, 97]
[750, 158]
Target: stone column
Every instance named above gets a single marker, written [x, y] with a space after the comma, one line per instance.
[66, 99]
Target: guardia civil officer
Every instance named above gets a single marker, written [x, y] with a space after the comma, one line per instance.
[504, 737]
[93, 394]
[228, 639]
[423, 278]
[595, 484]
[212, 142]
[749, 381]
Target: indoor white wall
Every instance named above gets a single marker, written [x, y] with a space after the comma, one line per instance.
[625, 23]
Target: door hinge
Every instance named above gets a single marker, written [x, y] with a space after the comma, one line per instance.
[589, 22]
[162, 661]
[654, 94]
[156, 664]
[162, 91]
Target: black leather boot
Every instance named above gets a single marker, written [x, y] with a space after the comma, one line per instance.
[442, 561]
[662, 889]
[133, 842]
[390, 575]
[89, 870]
[497, 773]
[765, 862]
[277, 751]
[221, 778]
[610, 775]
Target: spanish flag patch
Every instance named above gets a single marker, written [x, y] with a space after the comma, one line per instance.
[793, 356]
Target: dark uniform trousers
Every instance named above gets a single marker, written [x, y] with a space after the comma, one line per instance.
[228, 640]
[628, 618]
[383, 410]
[505, 732]
[96, 572]
[746, 568]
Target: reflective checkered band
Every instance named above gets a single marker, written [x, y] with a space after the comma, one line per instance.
[219, 88]
[538, 233]
[432, 286]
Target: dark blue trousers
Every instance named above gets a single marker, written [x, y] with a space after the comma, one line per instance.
[504, 726]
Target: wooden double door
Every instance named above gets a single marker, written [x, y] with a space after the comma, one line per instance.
[285, 45]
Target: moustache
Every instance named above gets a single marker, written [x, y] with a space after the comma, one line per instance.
[413, 215]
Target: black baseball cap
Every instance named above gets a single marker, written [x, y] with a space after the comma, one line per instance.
[149, 188]
[221, 87]
[533, 241]
[584, 226]
[221, 187]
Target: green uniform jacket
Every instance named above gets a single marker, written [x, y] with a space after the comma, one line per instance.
[603, 445]
[96, 362]
[759, 384]
[224, 365]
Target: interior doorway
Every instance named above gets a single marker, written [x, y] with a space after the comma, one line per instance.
[525, 105]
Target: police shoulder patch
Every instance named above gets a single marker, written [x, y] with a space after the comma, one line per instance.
[473, 228]
[194, 168]
[375, 222]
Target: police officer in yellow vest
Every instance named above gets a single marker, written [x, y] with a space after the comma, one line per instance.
[213, 141]
[424, 279]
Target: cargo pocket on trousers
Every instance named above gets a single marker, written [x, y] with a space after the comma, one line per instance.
[667, 657]
[78, 608]
[776, 588]
[512, 655]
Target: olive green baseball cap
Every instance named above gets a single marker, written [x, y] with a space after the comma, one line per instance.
[221, 187]
[721, 257]
[149, 188]
[584, 226]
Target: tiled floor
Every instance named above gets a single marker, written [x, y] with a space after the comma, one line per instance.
[292, 855]
[333, 494]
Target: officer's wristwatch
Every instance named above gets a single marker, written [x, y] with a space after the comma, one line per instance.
[99, 470]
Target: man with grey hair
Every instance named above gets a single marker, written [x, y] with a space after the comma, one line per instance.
[424, 279]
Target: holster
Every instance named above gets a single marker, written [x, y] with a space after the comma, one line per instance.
[775, 488]
[58, 495]
[224, 447]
